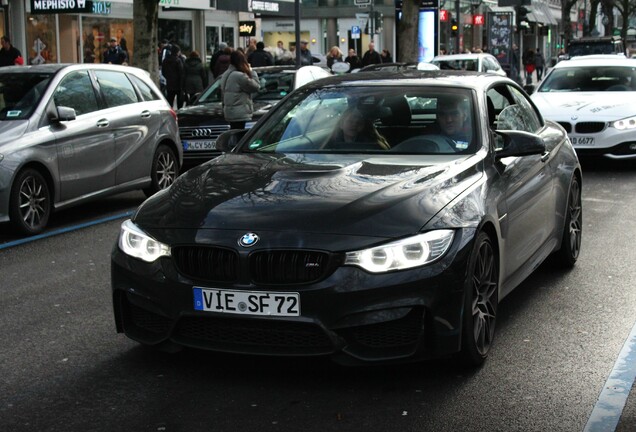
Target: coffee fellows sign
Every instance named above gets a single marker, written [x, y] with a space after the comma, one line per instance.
[61, 6]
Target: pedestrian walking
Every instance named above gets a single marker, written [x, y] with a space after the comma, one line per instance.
[173, 71]
[216, 56]
[260, 57]
[539, 63]
[9, 55]
[114, 54]
[196, 76]
[371, 56]
[353, 60]
[528, 60]
[334, 56]
[222, 62]
[237, 85]
[305, 55]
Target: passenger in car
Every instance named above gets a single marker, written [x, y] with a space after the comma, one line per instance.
[355, 130]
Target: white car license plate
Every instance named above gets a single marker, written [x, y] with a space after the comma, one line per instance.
[582, 140]
[247, 302]
[200, 145]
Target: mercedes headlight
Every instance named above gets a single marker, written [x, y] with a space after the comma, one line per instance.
[136, 243]
[626, 123]
[403, 254]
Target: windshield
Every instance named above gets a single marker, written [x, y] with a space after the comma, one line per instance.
[20, 93]
[274, 86]
[590, 79]
[373, 119]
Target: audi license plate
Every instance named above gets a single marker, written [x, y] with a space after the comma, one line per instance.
[582, 140]
[199, 145]
[247, 302]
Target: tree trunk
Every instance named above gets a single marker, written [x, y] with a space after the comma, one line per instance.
[592, 21]
[407, 31]
[146, 26]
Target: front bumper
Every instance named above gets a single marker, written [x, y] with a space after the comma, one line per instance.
[351, 315]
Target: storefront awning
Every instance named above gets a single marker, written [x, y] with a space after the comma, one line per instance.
[540, 13]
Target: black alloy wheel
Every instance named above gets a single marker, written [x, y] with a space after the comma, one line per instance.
[164, 171]
[573, 228]
[480, 302]
[30, 202]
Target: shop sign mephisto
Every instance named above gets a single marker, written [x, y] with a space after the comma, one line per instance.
[61, 6]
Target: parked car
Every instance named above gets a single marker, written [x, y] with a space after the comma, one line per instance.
[386, 67]
[397, 245]
[594, 99]
[477, 62]
[73, 133]
[201, 123]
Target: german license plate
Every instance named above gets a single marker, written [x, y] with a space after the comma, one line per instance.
[199, 145]
[247, 302]
[582, 140]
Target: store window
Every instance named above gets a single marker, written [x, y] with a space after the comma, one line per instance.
[97, 32]
[211, 41]
[41, 39]
[178, 32]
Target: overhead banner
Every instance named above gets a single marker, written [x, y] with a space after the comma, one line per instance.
[61, 6]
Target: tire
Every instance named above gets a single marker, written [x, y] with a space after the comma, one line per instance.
[30, 202]
[567, 256]
[481, 298]
[164, 170]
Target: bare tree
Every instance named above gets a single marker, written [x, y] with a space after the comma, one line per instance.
[146, 26]
[592, 21]
[566, 7]
[607, 6]
[626, 8]
[407, 31]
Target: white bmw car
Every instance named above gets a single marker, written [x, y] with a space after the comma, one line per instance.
[594, 99]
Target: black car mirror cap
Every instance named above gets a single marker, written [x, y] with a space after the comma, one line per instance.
[519, 143]
[228, 140]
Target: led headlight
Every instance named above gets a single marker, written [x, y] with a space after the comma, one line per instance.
[136, 243]
[626, 123]
[403, 254]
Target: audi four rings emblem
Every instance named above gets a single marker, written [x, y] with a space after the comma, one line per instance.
[201, 132]
[248, 240]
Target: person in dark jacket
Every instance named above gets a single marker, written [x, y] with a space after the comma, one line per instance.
[539, 64]
[216, 56]
[237, 85]
[386, 56]
[305, 55]
[353, 60]
[196, 76]
[114, 54]
[260, 57]
[9, 55]
[371, 56]
[222, 62]
[173, 71]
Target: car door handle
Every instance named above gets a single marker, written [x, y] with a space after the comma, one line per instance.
[102, 123]
[545, 156]
[145, 114]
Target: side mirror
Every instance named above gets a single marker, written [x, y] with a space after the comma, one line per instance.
[62, 113]
[228, 140]
[519, 143]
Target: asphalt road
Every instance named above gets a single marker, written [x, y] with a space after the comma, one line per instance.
[63, 367]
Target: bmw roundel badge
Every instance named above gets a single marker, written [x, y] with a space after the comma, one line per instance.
[248, 240]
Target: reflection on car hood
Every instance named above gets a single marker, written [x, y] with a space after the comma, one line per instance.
[209, 113]
[338, 194]
[587, 106]
[10, 130]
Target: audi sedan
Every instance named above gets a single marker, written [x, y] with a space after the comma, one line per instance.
[73, 133]
[594, 98]
[373, 217]
[202, 122]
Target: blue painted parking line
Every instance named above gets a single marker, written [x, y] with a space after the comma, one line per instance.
[609, 407]
[65, 230]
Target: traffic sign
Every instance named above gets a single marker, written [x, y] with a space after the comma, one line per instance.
[362, 2]
[355, 32]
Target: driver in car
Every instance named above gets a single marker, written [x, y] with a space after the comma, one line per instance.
[453, 120]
